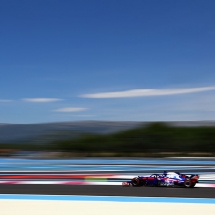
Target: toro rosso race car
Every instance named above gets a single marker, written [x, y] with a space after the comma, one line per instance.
[167, 179]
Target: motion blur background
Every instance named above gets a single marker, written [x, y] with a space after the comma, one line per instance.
[93, 93]
[92, 78]
[108, 139]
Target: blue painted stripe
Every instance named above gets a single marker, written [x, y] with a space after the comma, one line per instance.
[107, 198]
[15, 164]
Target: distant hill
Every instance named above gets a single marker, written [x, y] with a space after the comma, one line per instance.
[45, 132]
[60, 130]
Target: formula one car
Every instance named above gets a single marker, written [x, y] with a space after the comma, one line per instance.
[167, 179]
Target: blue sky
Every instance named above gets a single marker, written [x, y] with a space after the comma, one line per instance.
[136, 60]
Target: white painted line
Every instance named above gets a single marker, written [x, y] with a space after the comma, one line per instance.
[49, 207]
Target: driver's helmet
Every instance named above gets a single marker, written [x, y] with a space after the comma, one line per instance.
[165, 173]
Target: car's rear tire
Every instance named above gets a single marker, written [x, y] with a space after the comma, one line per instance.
[188, 183]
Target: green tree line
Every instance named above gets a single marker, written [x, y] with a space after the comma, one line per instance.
[154, 138]
[157, 137]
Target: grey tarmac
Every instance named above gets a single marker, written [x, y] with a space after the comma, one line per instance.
[107, 190]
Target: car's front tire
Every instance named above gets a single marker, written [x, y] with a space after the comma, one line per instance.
[135, 182]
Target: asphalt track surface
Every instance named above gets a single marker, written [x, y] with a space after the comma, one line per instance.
[108, 191]
[111, 190]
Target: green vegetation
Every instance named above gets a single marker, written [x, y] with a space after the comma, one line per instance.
[156, 139]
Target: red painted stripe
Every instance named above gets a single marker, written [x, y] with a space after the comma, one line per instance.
[53, 176]
[78, 183]
[74, 183]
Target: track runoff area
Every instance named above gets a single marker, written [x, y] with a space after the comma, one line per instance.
[93, 192]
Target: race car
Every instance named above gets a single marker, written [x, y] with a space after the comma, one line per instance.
[166, 179]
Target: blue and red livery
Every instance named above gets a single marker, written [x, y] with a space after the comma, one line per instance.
[166, 179]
